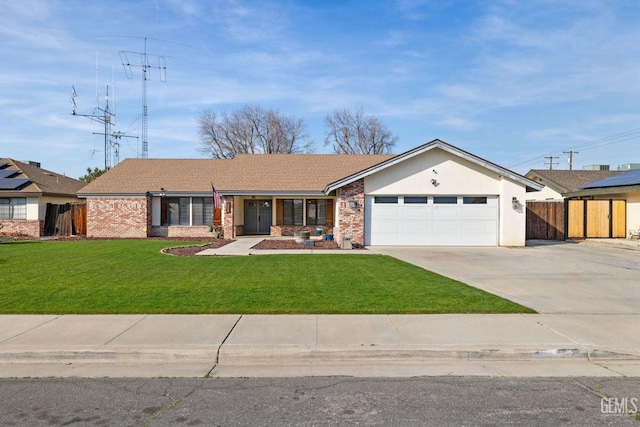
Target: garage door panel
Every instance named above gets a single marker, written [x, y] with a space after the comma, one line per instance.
[446, 212]
[419, 224]
[478, 212]
[411, 212]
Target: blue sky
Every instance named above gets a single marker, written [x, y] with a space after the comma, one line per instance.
[511, 81]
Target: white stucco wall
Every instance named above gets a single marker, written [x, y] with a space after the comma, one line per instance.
[455, 176]
[546, 194]
[33, 209]
[42, 210]
[633, 211]
[513, 220]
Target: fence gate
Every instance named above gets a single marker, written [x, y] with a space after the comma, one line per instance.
[597, 218]
[545, 220]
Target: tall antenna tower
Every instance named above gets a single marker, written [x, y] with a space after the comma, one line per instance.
[107, 119]
[144, 65]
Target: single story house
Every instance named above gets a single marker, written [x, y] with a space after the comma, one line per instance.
[624, 186]
[25, 191]
[595, 203]
[434, 194]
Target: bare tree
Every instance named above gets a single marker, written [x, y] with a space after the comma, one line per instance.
[252, 130]
[351, 132]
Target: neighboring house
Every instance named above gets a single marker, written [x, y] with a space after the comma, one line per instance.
[560, 182]
[25, 191]
[624, 186]
[596, 203]
[435, 194]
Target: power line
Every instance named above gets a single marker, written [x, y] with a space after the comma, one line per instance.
[597, 143]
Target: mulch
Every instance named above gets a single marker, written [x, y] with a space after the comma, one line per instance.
[193, 250]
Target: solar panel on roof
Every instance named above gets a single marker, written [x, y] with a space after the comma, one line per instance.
[12, 183]
[631, 177]
[3, 164]
[6, 173]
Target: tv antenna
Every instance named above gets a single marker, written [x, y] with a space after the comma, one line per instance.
[143, 63]
[107, 119]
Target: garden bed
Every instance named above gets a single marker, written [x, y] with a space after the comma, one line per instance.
[292, 244]
[193, 250]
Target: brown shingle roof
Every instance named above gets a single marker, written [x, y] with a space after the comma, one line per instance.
[565, 181]
[43, 182]
[244, 173]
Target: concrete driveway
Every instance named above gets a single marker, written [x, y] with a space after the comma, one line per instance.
[558, 277]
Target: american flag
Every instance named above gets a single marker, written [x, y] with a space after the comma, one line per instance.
[217, 202]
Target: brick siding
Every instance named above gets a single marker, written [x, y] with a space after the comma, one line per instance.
[350, 222]
[118, 217]
[227, 218]
[21, 227]
[288, 230]
[181, 231]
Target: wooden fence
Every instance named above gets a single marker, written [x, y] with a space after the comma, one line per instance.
[66, 220]
[597, 218]
[545, 220]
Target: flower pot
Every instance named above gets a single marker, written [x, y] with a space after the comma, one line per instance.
[329, 237]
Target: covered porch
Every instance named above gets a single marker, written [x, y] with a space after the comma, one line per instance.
[277, 215]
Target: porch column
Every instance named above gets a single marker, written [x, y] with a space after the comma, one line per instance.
[227, 217]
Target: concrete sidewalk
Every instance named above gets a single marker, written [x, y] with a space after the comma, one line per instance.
[283, 345]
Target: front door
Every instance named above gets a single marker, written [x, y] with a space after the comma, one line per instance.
[257, 217]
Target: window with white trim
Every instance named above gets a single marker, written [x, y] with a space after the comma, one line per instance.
[13, 208]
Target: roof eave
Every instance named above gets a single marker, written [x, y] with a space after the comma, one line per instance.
[548, 183]
[603, 190]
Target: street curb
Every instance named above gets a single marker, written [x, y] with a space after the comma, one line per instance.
[275, 356]
[302, 355]
[108, 356]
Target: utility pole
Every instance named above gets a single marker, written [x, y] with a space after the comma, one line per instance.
[570, 153]
[551, 162]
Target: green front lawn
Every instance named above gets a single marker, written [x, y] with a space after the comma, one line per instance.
[132, 276]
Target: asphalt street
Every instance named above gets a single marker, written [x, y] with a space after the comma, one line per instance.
[320, 401]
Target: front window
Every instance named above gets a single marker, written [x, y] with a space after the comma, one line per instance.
[178, 211]
[292, 211]
[13, 208]
[201, 211]
[316, 212]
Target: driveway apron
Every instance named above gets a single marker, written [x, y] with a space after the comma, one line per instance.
[572, 278]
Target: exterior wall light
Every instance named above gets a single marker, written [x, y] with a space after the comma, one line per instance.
[352, 203]
[515, 203]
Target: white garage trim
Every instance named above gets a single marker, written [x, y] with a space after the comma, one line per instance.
[433, 220]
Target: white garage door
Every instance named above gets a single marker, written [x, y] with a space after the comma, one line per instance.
[431, 220]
